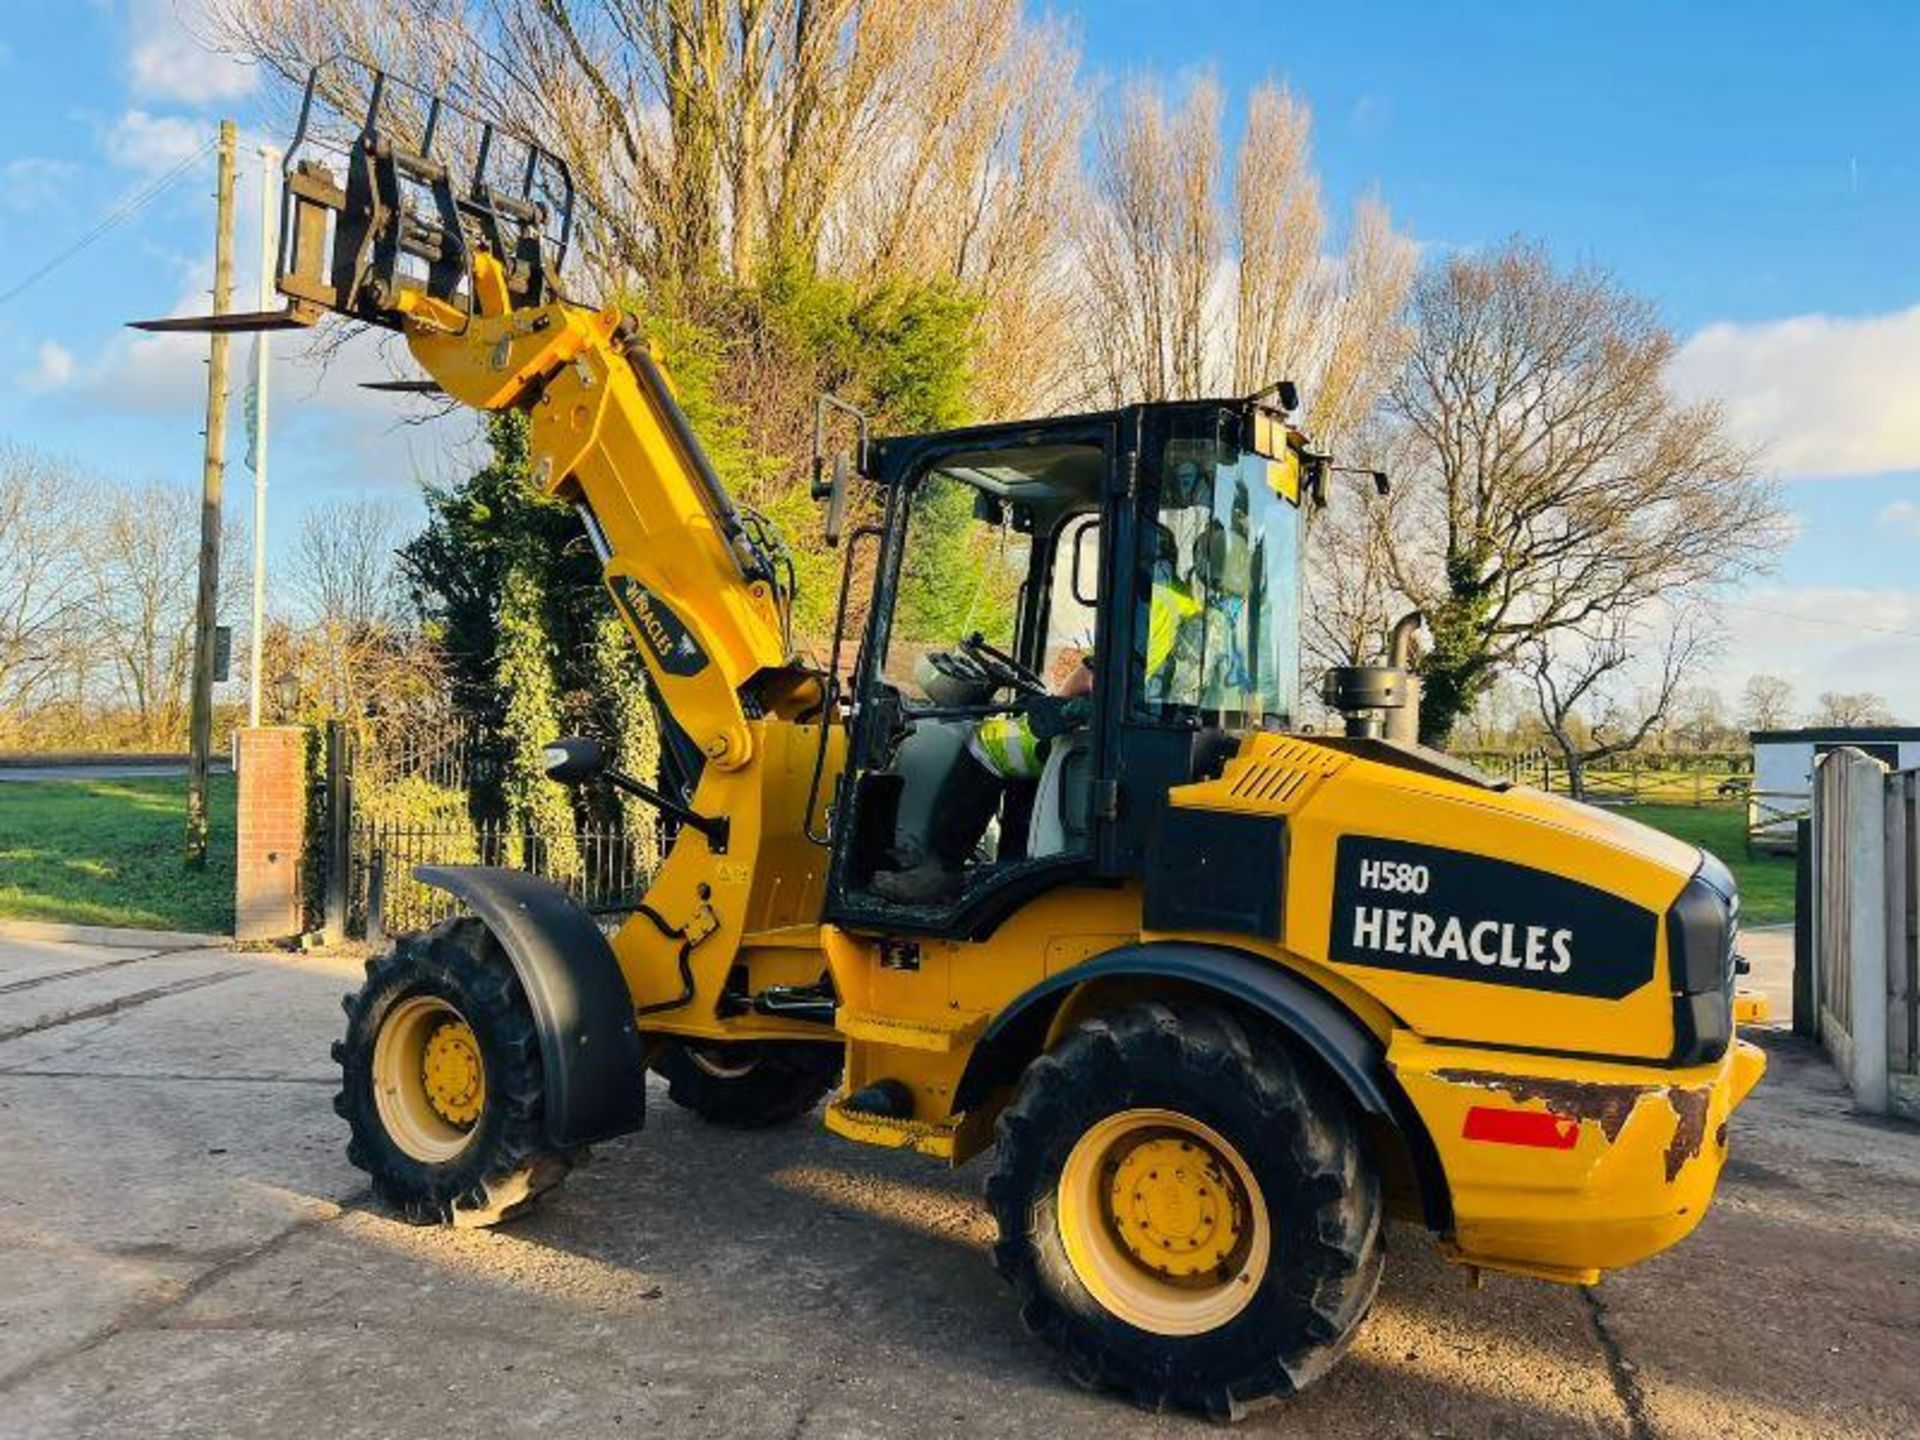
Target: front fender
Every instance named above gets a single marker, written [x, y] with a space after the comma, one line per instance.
[589, 1046]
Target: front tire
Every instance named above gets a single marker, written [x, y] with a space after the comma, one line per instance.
[747, 1085]
[442, 1083]
[1186, 1212]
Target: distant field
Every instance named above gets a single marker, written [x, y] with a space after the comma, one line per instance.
[1766, 881]
[108, 852]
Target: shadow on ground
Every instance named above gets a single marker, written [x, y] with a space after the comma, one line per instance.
[191, 1254]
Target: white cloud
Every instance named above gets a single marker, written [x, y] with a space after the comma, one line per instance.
[1901, 519]
[142, 141]
[1824, 395]
[1826, 638]
[165, 60]
[34, 184]
[324, 423]
[52, 369]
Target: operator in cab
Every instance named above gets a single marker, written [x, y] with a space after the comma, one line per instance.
[1002, 751]
[1006, 753]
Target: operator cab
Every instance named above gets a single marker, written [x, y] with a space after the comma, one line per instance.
[1067, 618]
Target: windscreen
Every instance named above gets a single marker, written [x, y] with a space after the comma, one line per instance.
[1217, 633]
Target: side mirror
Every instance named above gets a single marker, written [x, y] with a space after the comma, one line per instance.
[837, 500]
[572, 759]
[834, 490]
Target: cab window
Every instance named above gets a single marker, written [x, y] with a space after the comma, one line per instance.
[1218, 622]
[959, 575]
[1072, 600]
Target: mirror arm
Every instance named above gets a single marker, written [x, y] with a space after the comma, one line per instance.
[821, 487]
[714, 827]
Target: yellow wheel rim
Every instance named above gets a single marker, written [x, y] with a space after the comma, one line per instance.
[429, 1081]
[1163, 1222]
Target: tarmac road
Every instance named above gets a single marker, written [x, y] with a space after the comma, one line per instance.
[186, 1252]
[40, 774]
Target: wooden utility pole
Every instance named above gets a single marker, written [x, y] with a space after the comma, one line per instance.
[213, 484]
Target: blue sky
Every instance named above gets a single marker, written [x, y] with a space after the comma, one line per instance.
[1750, 167]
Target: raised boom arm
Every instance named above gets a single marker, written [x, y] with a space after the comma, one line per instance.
[464, 264]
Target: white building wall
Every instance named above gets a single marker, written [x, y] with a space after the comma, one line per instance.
[1783, 782]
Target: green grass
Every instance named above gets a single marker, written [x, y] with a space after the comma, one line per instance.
[109, 852]
[1766, 881]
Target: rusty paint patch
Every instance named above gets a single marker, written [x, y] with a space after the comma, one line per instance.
[1720, 1134]
[1690, 1125]
[1608, 1106]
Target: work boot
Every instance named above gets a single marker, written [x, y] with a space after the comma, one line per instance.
[930, 881]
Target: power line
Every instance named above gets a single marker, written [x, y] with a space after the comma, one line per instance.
[1817, 620]
[118, 215]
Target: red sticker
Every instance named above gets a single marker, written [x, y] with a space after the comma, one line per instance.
[1521, 1127]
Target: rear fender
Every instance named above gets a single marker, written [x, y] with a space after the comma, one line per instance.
[589, 1047]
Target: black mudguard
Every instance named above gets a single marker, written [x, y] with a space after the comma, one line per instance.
[589, 1047]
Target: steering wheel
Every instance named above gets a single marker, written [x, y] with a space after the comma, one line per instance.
[1000, 669]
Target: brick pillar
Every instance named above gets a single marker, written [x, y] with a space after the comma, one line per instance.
[273, 827]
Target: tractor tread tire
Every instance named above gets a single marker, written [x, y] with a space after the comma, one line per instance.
[1296, 1131]
[785, 1081]
[507, 1163]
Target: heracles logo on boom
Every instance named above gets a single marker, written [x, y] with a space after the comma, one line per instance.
[667, 639]
[1433, 911]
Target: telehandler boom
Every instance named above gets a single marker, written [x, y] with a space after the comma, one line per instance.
[1221, 995]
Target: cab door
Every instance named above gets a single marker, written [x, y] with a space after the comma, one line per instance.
[865, 811]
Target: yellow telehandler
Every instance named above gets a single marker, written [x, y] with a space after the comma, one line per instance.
[1220, 996]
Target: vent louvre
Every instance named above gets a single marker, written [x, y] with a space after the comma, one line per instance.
[1277, 770]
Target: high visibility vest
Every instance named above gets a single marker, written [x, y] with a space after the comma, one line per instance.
[1005, 745]
[1173, 606]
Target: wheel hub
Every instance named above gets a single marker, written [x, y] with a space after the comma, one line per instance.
[452, 1074]
[1174, 1208]
[429, 1078]
[1163, 1221]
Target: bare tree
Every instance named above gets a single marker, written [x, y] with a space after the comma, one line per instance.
[139, 563]
[1851, 708]
[1596, 695]
[1198, 282]
[42, 521]
[1767, 702]
[709, 138]
[1553, 483]
[343, 570]
[345, 578]
[1696, 720]
[345, 677]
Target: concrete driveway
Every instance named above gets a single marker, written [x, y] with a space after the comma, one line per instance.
[188, 1253]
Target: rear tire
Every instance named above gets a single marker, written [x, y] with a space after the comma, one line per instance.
[1239, 1282]
[442, 1083]
[745, 1085]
